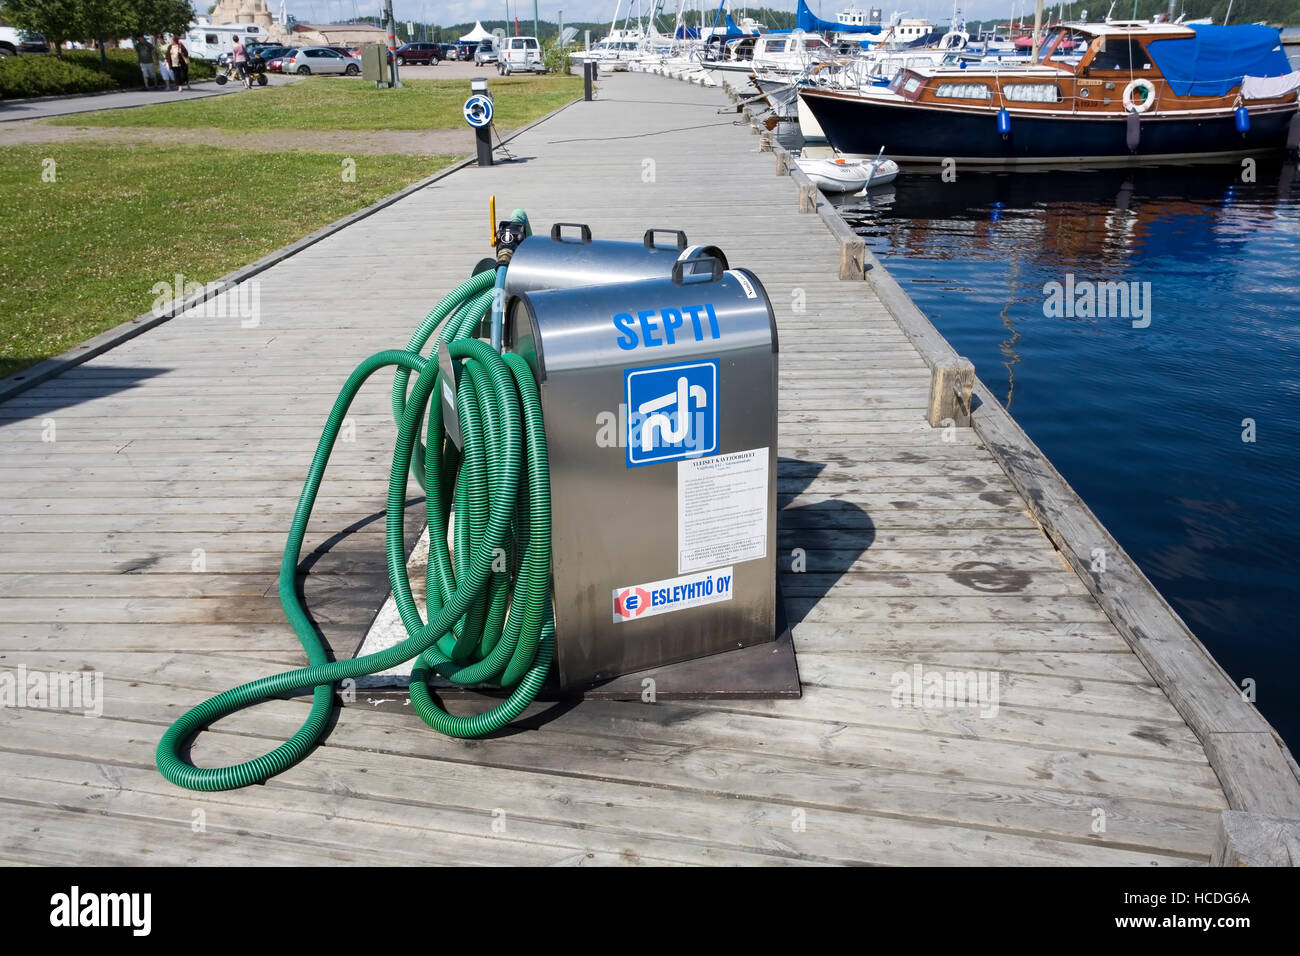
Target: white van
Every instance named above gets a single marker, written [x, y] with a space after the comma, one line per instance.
[515, 54]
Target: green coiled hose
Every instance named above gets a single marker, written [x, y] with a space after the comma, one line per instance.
[488, 604]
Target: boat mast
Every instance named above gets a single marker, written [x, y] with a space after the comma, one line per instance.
[1038, 26]
[618, 5]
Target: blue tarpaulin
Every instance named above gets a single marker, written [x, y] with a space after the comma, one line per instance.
[804, 20]
[1214, 60]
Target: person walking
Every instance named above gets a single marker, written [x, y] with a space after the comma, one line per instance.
[239, 58]
[144, 55]
[179, 59]
[164, 68]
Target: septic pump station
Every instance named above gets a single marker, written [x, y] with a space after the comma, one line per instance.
[595, 432]
[657, 367]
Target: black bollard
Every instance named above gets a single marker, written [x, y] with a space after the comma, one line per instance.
[483, 137]
[588, 68]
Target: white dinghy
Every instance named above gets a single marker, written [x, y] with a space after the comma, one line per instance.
[835, 174]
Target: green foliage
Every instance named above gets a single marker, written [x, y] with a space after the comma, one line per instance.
[22, 76]
[556, 58]
[63, 20]
[81, 254]
[57, 20]
[79, 71]
[322, 103]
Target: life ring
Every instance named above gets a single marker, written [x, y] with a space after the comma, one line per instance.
[1149, 101]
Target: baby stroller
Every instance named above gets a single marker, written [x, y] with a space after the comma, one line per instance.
[255, 65]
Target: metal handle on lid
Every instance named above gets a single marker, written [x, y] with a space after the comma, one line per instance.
[681, 277]
[585, 231]
[649, 239]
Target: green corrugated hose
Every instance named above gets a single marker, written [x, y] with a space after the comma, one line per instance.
[488, 605]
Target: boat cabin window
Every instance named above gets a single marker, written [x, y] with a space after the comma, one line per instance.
[775, 46]
[1120, 53]
[963, 91]
[905, 83]
[1060, 44]
[1031, 93]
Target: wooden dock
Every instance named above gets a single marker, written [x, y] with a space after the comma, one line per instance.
[147, 492]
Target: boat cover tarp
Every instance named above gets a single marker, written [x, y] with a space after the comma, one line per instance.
[1214, 60]
[1269, 87]
[804, 20]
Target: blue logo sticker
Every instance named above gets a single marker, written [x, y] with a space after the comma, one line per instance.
[672, 412]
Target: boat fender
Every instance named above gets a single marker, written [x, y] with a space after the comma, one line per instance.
[1004, 122]
[1131, 105]
[1293, 132]
[1133, 132]
[1243, 120]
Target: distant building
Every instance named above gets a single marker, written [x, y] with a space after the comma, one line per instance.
[326, 34]
[241, 11]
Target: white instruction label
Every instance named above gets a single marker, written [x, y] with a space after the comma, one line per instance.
[745, 284]
[721, 509]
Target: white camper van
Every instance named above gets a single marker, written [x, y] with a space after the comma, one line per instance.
[517, 54]
[207, 41]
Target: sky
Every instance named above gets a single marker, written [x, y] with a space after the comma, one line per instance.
[460, 11]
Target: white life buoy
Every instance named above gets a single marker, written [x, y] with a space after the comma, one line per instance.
[1149, 101]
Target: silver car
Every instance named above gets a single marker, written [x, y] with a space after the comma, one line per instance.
[319, 59]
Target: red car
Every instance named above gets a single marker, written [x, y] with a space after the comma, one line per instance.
[429, 53]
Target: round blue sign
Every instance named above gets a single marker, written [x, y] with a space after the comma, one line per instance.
[478, 110]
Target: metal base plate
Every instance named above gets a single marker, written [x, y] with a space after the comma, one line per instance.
[760, 671]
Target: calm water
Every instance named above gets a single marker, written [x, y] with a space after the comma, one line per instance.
[1145, 423]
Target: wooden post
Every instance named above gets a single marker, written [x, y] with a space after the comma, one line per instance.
[782, 160]
[951, 382]
[765, 141]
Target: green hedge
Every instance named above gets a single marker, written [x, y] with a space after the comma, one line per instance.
[79, 71]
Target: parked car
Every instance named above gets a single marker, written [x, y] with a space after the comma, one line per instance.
[466, 51]
[486, 53]
[448, 50]
[266, 51]
[519, 55]
[429, 53]
[319, 59]
[13, 42]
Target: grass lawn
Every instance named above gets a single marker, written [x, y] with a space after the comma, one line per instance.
[81, 254]
[320, 102]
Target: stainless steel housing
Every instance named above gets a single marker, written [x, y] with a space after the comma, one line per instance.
[615, 524]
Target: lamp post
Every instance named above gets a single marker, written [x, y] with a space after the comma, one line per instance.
[391, 26]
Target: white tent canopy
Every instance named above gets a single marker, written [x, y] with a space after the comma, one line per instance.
[477, 34]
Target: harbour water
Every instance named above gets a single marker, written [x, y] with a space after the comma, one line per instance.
[1170, 400]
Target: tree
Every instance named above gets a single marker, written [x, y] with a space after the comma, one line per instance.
[57, 20]
[104, 20]
[153, 17]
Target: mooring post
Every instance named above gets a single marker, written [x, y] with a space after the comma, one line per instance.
[951, 382]
[588, 68]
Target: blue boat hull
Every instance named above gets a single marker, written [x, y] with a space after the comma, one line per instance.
[922, 134]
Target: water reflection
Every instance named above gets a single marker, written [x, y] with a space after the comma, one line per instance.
[1146, 419]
